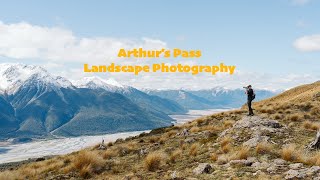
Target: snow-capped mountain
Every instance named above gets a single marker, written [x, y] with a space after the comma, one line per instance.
[96, 82]
[13, 76]
[34, 103]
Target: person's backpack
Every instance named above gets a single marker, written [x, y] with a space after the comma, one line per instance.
[253, 96]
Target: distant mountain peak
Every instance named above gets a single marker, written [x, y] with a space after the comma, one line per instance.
[14, 75]
[96, 82]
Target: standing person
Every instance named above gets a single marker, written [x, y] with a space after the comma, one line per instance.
[251, 95]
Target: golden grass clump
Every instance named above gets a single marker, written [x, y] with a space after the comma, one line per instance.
[214, 156]
[289, 153]
[315, 111]
[110, 144]
[242, 153]
[294, 117]
[154, 160]
[277, 116]
[194, 149]
[154, 139]
[264, 148]
[228, 123]
[226, 140]
[311, 125]
[225, 144]
[263, 110]
[170, 133]
[108, 154]
[270, 111]
[88, 163]
[226, 148]
[200, 121]
[194, 129]
[175, 155]
[314, 160]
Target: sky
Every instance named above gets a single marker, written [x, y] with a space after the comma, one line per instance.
[274, 44]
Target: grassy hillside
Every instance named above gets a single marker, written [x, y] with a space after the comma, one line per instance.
[270, 145]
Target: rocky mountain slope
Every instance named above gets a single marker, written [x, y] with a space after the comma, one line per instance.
[273, 144]
[35, 103]
[150, 103]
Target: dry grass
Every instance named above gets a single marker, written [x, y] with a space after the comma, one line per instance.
[225, 141]
[154, 160]
[242, 153]
[200, 121]
[175, 155]
[228, 123]
[294, 117]
[264, 148]
[154, 139]
[214, 156]
[315, 111]
[88, 163]
[277, 116]
[222, 159]
[289, 153]
[108, 154]
[313, 160]
[226, 148]
[170, 134]
[311, 125]
[10, 175]
[194, 149]
[194, 129]
[225, 144]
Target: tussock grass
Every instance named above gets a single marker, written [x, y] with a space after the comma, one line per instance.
[195, 129]
[294, 117]
[264, 148]
[289, 153]
[228, 123]
[314, 126]
[242, 153]
[108, 154]
[154, 160]
[225, 141]
[175, 155]
[214, 156]
[194, 149]
[154, 139]
[88, 163]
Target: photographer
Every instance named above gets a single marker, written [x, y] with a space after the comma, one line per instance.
[251, 95]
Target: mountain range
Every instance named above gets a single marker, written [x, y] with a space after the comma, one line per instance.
[210, 98]
[35, 103]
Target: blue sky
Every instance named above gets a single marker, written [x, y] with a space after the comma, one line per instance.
[256, 36]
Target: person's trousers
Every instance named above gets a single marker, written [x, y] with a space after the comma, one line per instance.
[249, 106]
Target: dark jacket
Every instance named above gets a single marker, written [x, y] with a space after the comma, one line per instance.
[250, 94]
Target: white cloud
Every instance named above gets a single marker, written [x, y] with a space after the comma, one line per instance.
[308, 43]
[300, 2]
[23, 40]
[62, 52]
